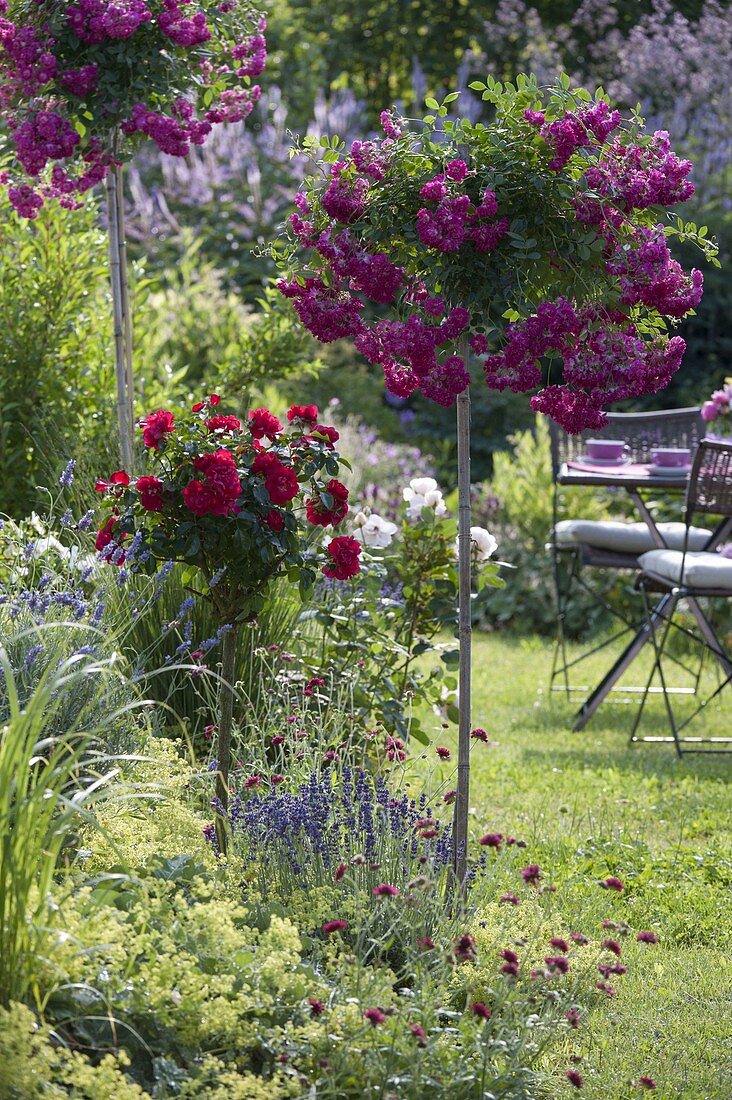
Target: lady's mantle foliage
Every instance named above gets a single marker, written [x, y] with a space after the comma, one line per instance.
[538, 238]
[72, 75]
[236, 501]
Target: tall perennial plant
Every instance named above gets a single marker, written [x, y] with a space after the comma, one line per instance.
[541, 238]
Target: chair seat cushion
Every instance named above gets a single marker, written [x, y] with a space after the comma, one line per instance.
[626, 538]
[700, 570]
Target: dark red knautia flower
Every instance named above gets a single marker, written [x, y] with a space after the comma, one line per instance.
[155, 427]
[480, 1010]
[646, 1083]
[647, 937]
[531, 874]
[574, 1078]
[479, 735]
[559, 944]
[450, 797]
[317, 1008]
[579, 938]
[384, 890]
[375, 1016]
[509, 899]
[509, 955]
[321, 514]
[419, 1034]
[340, 872]
[612, 883]
[464, 949]
[492, 840]
[344, 552]
[443, 753]
[612, 945]
[426, 943]
[572, 1017]
[558, 964]
[331, 926]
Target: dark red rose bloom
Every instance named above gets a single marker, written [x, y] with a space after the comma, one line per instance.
[155, 427]
[320, 515]
[334, 926]
[119, 480]
[274, 520]
[227, 423]
[104, 534]
[216, 493]
[264, 461]
[108, 543]
[151, 493]
[308, 413]
[326, 433]
[344, 552]
[281, 482]
[263, 423]
[214, 399]
[198, 406]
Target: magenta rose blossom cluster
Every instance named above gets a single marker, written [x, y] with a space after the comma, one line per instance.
[719, 404]
[235, 499]
[74, 76]
[540, 243]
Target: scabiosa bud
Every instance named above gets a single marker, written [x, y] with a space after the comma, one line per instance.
[339, 872]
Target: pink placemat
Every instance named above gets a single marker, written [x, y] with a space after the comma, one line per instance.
[630, 469]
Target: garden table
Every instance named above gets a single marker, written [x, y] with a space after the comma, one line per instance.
[637, 480]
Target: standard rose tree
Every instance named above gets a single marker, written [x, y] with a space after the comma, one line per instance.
[84, 82]
[539, 242]
[236, 503]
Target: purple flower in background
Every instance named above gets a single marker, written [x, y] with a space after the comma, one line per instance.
[66, 479]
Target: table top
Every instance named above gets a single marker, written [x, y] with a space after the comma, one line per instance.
[620, 476]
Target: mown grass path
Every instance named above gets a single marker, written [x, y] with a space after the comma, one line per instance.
[590, 805]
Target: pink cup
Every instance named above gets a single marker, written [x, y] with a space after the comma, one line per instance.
[606, 450]
[671, 457]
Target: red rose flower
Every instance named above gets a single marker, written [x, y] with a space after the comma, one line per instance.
[344, 552]
[308, 413]
[274, 520]
[225, 423]
[155, 427]
[214, 399]
[326, 433]
[263, 423]
[151, 493]
[320, 514]
[216, 494]
[107, 543]
[280, 481]
[119, 480]
[264, 461]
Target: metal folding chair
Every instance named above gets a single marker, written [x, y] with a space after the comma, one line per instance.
[642, 432]
[686, 576]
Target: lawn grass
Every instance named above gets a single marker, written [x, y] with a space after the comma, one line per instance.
[589, 805]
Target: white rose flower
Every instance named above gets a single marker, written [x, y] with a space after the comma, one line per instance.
[360, 519]
[377, 532]
[422, 486]
[434, 500]
[483, 543]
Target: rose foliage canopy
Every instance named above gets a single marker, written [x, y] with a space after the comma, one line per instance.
[83, 81]
[238, 503]
[540, 239]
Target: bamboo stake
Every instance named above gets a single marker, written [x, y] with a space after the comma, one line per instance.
[462, 799]
[124, 411]
[226, 718]
[125, 287]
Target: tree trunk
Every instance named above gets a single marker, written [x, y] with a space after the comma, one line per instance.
[226, 715]
[462, 800]
[120, 313]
